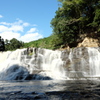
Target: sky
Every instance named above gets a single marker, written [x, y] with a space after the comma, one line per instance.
[26, 20]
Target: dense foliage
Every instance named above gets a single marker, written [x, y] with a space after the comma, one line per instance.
[47, 43]
[13, 44]
[2, 45]
[76, 17]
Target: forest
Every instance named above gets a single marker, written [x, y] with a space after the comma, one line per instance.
[12, 44]
[74, 20]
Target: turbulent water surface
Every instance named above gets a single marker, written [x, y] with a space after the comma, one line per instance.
[36, 73]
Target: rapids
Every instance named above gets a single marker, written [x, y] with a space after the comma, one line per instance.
[44, 64]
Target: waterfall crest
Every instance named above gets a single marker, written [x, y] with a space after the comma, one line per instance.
[48, 64]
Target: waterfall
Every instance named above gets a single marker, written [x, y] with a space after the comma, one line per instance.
[39, 63]
[94, 61]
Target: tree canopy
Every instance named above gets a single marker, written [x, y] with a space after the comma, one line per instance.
[76, 17]
[2, 45]
[13, 44]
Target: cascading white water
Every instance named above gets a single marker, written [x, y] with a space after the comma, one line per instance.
[43, 63]
[53, 64]
[10, 65]
[94, 61]
[48, 62]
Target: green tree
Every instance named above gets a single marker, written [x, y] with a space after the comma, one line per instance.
[2, 44]
[76, 17]
[13, 44]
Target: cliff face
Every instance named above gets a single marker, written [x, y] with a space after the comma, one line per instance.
[89, 42]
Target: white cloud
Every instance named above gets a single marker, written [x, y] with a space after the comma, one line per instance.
[31, 37]
[18, 22]
[1, 16]
[32, 30]
[17, 30]
[5, 23]
[3, 28]
[26, 24]
[9, 35]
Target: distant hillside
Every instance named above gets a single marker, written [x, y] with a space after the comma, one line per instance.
[47, 43]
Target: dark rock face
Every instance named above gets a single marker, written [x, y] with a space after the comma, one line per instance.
[37, 77]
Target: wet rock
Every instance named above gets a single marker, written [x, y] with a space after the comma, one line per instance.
[98, 86]
[88, 96]
[37, 77]
[15, 92]
[29, 77]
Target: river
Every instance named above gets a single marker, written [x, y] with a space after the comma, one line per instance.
[50, 90]
[41, 74]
